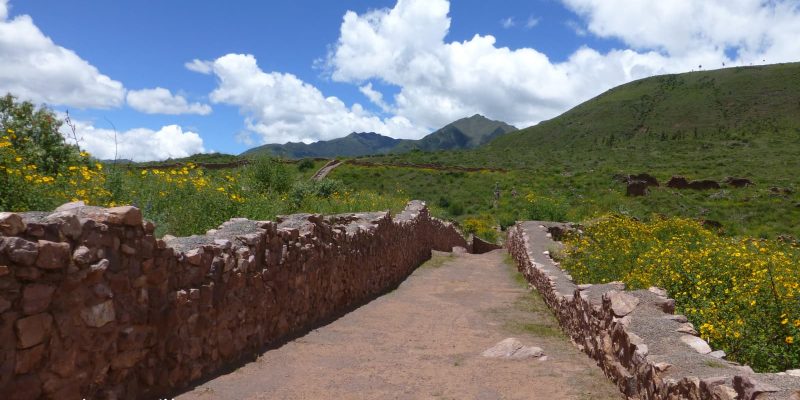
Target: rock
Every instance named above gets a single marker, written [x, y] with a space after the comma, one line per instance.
[4, 305]
[20, 251]
[195, 256]
[33, 330]
[662, 366]
[29, 359]
[4, 270]
[29, 274]
[82, 255]
[698, 344]
[25, 387]
[687, 328]
[636, 188]
[512, 348]
[724, 392]
[53, 255]
[459, 250]
[795, 395]
[622, 303]
[748, 388]
[738, 182]
[718, 354]
[68, 223]
[703, 184]
[678, 182]
[657, 291]
[648, 179]
[36, 298]
[99, 315]
[11, 224]
[678, 318]
[70, 206]
[793, 372]
[125, 215]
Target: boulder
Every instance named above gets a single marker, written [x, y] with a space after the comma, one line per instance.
[124, 215]
[622, 303]
[53, 255]
[678, 182]
[99, 315]
[703, 184]
[650, 180]
[33, 330]
[11, 224]
[512, 348]
[738, 182]
[636, 188]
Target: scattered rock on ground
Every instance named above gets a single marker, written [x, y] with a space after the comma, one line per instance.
[512, 348]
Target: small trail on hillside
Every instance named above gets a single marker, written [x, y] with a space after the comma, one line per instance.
[325, 170]
[424, 341]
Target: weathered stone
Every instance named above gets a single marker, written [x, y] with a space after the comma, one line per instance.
[795, 395]
[678, 318]
[82, 255]
[53, 255]
[195, 256]
[717, 354]
[20, 251]
[698, 344]
[68, 223]
[70, 206]
[4, 270]
[749, 388]
[662, 366]
[36, 298]
[622, 303]
[127, 359]
[687, 328]
[11, 224]
[724, 392]
[28, 274]
[33, 330]
[29, 359]
[512, 348]
[126, 249]
[99, 315]
[4, 305]
[793, 372]
[125, 215]
[25, 387]
[657, 291]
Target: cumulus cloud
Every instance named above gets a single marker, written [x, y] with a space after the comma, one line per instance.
[162, 101]
[754, 29]
[34, 68]
[374, 96]
[140, 144]
[280, 107]
[441, 81]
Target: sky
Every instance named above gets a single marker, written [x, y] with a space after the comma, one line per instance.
[148, 79]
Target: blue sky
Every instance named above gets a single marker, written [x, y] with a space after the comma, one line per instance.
[302, 70]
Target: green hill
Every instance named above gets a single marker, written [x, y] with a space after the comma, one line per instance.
[462, 134]
[742, 122]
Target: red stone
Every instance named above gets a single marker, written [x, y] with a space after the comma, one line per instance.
[36, 298]
[125, 215]
[53, 255]
[33, 330]
[29, 359]
[26, 387]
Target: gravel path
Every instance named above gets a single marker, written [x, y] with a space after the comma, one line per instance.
[424, 341]
[325, 170]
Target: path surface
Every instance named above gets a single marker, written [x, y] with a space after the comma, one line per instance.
[424, 341]
[325, 170]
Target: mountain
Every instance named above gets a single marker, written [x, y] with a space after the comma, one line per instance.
[465, 133]
[352, 145]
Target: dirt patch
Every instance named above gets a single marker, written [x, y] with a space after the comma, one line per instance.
[424, 340]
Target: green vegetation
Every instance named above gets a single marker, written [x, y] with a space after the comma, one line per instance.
[742, 294]
[741, 122]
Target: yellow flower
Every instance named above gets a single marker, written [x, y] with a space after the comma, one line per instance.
[785, 321]
[789, 339]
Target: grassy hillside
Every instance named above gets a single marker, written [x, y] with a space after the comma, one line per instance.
[742, 122]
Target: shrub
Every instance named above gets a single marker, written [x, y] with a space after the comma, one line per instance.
[742, 294]
[482, 227]
[268, 175]
[541, 208]
[305, 165]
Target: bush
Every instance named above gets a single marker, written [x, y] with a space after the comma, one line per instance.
[482, 227]
[541, 208]
[742, 294]
[267, 175]
[305, 164]
[323, 189]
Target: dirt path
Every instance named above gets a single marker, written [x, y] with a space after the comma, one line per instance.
[325, 170]
[424, 341]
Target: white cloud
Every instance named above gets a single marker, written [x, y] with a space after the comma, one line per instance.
[140, 144]
[755, 29]
[162, 101]
[441, 81]
[200, 66]
[508, 22]
[532, 22]
[374, 96]
[280, 107]
[34, 68]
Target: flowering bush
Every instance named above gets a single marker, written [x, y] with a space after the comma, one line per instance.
[742, 294]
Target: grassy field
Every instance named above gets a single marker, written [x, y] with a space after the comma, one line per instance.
[741, 122]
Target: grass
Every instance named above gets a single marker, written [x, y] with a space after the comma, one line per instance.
[742, 122]
[437, 261]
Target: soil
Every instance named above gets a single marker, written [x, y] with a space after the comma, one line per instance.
[424, 341]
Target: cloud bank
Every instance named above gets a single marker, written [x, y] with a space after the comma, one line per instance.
[162, 101]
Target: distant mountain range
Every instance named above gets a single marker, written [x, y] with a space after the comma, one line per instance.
[465, 133]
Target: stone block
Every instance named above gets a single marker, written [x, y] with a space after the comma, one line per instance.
[33, 330]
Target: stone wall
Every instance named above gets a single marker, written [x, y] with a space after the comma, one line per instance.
[92, 305]
[648, 351]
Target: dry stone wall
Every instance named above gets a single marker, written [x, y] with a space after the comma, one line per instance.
[635, 337]
[92, 305]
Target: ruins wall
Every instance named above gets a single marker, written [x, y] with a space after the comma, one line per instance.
[635, 337]
[92, 305]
